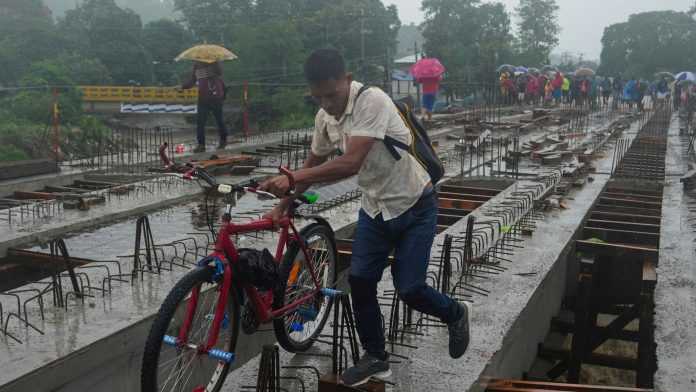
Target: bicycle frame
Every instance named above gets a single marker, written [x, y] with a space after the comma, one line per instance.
[226, 251]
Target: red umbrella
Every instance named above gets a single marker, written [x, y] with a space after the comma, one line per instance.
[427, 68]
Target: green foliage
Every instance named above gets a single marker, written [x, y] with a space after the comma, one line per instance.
[537, 30]
[214, 21]
[650, 42]
[407, 36]
[27, 34]
[100, 29]
[148, 10]
[468, 37]
[164, 39]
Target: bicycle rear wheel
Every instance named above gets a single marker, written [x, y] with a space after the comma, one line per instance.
[168, 368]
[298, 329]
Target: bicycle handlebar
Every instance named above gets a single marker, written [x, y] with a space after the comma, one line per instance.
[189, 171]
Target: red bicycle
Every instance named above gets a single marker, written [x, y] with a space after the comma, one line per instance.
[192, 340]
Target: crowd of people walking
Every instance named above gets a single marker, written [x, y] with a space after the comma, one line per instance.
[553, 88]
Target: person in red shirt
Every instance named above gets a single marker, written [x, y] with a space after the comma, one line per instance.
[211, 95]
[532, 91]
[429, 88]
[557, 85]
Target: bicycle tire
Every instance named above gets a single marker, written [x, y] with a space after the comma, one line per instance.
[175, 305]
[287, 329]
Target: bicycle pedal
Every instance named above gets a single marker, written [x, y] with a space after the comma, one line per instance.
[170, 340]
[330, 292]
[221, 355]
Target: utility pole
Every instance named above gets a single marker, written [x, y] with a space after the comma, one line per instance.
[580, 61]
[565, 57]
[388, 71]
[362, 43]
[418, 95]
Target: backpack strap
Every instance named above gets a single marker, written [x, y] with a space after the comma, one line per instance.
[389, 141]
[392, 144]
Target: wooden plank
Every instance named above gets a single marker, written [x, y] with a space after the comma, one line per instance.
[224, 160]
[628, 196]
[469, 190]
[469, 205]
[622, 236]
[553, 386]
[34, 195]
[96, 184]
[627, 210]
[463, 196]
[617, 201]
[241, 170]
[614, 189]
[52, 188]
[618, 217]
[567, 327]
[41, 260]
[609, 224]
[17, 169]
[604, 360]
[617, 250]
[452, 211]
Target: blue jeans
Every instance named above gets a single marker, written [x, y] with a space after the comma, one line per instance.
[204, 107]
[429, 101]
[411, 236]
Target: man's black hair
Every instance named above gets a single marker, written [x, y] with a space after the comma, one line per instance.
[324, 64]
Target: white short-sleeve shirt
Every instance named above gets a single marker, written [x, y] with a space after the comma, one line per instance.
[389, 186]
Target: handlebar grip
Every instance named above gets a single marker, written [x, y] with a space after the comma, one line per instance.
[163, 155]
[288, 174]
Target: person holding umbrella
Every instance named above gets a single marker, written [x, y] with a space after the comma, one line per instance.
[429, 88]
[206, 76]
[428, 72]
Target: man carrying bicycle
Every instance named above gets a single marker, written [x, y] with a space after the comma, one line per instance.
[399, 207]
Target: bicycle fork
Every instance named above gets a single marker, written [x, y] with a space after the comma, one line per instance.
[218, 319]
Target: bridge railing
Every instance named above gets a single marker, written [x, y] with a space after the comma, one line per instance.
[137, 94]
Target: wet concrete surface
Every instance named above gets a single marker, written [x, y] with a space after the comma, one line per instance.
[675, 293]
[72, 353]
[496, 326]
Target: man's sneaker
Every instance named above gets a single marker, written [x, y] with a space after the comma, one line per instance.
[200, 148]
[459, 331]
[368, 366]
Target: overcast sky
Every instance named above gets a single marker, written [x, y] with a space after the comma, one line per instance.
[582, 21]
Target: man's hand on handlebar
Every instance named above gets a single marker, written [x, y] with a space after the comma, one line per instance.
[279, 186]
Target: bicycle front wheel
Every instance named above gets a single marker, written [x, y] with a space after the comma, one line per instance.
[169, 368]
[298, 329]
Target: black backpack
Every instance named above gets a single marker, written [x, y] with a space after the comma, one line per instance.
[421, 148]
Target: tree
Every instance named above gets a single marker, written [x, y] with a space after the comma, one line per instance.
[692, 11]
[537, 30]
[649, 42]
[101, 29]
[164, 39]
[468, 37]
[214, 21]
[27, 34]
